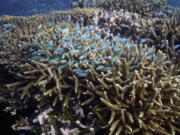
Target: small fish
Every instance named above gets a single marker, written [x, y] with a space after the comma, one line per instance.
[52, 61]
[82, 57]
[115, 39]
[38, 53]
[20, 45]
[76, 70]
[162, 45]
[116, 48]
[84, 36]
[103, 51]
[87, 70]
[96, 58]
[50, 43]
[61, 67]
[142, 41]
[77, 32]
[31, 49]
[107, 68]
[8, 25]
[97, 37]
[176, 46]
[115, 58]
[59, 49]
[82, 74]
[123, 39]
[85, 61]
[66, 39]
[78, 47]
[76, 64]
[107, 40]
[35, 44]
[42, 42]
[65, 31]
[77, 27]
[39, 27]
[49, 48]
[58, 26]
[106, 57]
[87, 48]
[91, 27]
[93, 45]
[104, 46]
[95, 49]
[74, 51]
[143, 57]
[100, 68]
[37, 58]
[129, 45]
[63, 61]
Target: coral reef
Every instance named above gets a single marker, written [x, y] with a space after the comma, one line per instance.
[75, 79]
[162, 33]
[155, 8]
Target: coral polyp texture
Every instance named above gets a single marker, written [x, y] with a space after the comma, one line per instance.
[73, 79]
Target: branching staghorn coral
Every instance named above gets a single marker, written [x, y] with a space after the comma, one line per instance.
[143, 7]
[147, 8]
[129, 5]
[138, 28]
[162, 33]
[112, 85]
[77, 11]
[24, 28]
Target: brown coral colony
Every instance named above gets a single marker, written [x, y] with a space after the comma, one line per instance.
[111, 70]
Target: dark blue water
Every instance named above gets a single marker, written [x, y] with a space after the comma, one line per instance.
[175, 3]
[30, 7]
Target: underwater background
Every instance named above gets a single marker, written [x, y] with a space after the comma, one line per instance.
[89, 67]
[30, 7]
